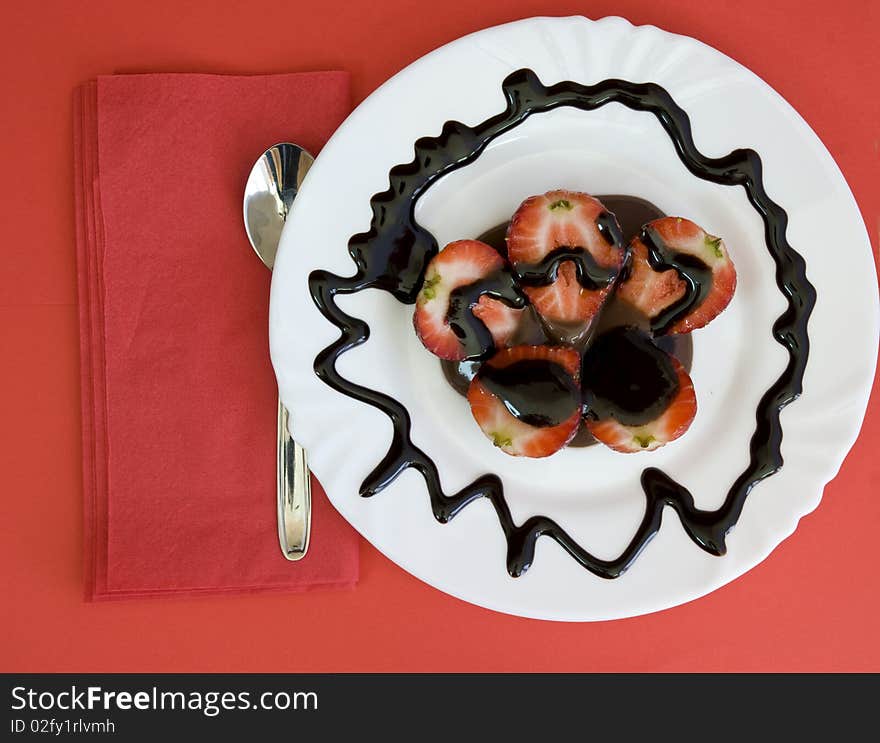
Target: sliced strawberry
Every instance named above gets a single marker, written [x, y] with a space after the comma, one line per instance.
[566, 307]
[638, 397]
[527, 399]
[461, 264]
[540, 231]
[562, 218]
[657, 289]
[501, 320]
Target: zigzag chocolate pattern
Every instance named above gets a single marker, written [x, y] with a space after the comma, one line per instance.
[395, 251]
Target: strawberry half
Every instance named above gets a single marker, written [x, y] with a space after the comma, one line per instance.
[667, 249]
[637, 396]
[461, 265]
[567, 249]
[527, 399]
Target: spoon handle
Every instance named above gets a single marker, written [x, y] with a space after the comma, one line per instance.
[294, 492]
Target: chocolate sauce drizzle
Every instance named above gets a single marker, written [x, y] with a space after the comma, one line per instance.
[697, 277]
[395, 251]
[609, 228]
[476, 340]
[627, 377]
[537, 392]
[590, 274]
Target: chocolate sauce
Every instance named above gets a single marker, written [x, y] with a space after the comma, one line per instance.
[497, 238]
[697, 277]
[476, 340]
[539, 393]
[627, 378]
[582, 439]
[394, 254]
[631, 212]
[590, 274]
[611, 230]
[460, 373]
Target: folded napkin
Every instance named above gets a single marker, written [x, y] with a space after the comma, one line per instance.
[178, 395]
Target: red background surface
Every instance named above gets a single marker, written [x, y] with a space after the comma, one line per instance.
[813, 605]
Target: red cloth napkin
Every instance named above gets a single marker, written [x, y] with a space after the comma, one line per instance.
[178, 395]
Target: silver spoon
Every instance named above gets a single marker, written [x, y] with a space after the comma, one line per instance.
[271, 188]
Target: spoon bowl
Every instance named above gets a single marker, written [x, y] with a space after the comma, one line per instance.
[268, 194]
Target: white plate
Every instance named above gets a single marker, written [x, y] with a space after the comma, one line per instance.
[594, 493]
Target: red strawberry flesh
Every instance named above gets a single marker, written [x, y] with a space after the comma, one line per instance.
[526, 399]
[574, 231]
[464, 264]
[680, 276]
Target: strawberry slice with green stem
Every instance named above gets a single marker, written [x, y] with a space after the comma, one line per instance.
[567, 249]
[527, 399]
[455, 286]
[680, 277]
[637, 396]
